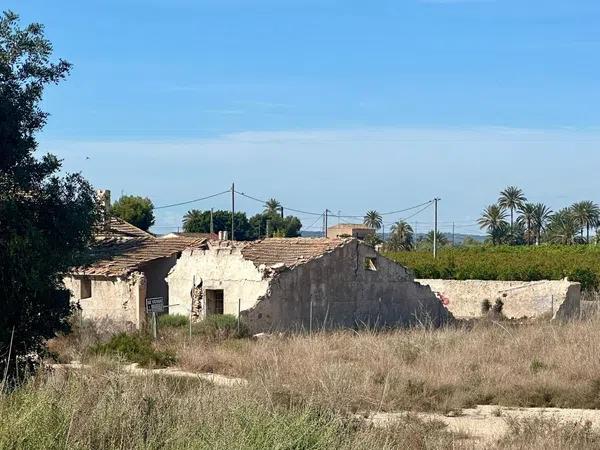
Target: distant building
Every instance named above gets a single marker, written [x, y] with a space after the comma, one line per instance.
[344, 230]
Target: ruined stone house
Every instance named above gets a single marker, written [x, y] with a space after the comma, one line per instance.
[126, 266]
[283, 284]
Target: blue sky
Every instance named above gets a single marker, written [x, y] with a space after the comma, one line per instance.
[344, 105]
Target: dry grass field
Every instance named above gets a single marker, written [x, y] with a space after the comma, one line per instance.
[306, 391]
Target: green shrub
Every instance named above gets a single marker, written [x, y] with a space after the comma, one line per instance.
[589, 279]
[220, 326]
[173, 321]
[136, 348]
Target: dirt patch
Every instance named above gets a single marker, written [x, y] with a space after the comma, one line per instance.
[487, 424]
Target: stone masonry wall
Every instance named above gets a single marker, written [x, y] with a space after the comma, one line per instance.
[345, 293]
[558, 299]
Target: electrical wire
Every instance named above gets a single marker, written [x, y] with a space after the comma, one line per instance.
[283, 206]
[193, 201]
[313, 224]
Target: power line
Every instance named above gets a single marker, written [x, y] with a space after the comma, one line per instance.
[313, 224]
[283, 206]
[428, 203]
[193, 201]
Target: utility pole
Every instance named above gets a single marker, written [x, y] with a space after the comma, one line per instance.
[326, 211]
[452, 234]
[212, 227]
[339, 214]
[435, 230]
[383, 232]
[232, 211]
[268, 227]
[282, 212]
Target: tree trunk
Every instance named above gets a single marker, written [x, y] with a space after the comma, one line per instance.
[588, 233]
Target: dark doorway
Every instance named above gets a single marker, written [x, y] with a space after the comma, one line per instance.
[214, 301]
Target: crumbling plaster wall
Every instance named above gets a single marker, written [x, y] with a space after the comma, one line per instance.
[344, 294]
[156, 272]
[560, 299]
[216, 268]
[114, 298]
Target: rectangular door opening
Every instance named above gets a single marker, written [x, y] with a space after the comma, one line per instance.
[214, 301]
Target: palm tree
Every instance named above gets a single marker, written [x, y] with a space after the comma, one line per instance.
[511, 198]
[541, 217]
[441, 238]
[272, 206]
[402, 236]
[193, 221]
[563, 227]
[527, 219]
[587, 215]
[373, 219]
[493, 219]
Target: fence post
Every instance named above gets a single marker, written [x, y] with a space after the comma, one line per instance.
[154, 326]
[310, 318]
[239, 313]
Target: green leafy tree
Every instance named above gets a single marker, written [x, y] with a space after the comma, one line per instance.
[493, 219]
[373, 240]
[373, 219]
[511, 198]
[196, 221]
[587, 215]
[46, 220]
[276, 225]
[138, 211]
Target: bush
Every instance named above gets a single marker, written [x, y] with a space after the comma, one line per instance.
[173, 321]
[220, 326]
[589, 279]
[136, 348]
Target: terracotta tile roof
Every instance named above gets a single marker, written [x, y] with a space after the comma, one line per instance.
[209, 236]
[118, 229]
[289, 251]
[120, 258]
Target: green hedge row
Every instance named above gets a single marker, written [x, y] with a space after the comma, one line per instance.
[578, 263]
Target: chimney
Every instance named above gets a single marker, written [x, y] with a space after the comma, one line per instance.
[103, 196]
[225, 235]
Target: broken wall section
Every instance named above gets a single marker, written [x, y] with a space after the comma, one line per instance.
[557, 299]
[352, 286]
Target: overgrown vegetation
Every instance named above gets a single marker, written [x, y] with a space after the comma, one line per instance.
[316, 384]
[173, 321]
[524, 263]
[135, 348]
[220, 326]
[111, 410]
